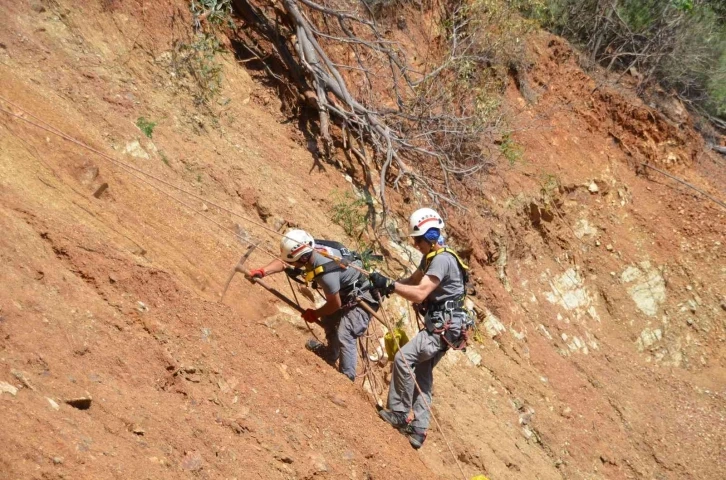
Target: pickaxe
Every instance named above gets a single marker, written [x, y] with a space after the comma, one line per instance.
[239, 268]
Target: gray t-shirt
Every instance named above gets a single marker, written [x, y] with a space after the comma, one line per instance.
[444, 267]
[333, 282]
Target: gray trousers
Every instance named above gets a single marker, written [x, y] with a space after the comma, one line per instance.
[421, 354]
[342, 330]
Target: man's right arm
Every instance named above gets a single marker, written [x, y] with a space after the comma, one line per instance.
[413, 279]
[275, 266]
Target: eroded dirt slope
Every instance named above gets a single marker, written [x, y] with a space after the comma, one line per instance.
[602, 355]
[117, 297]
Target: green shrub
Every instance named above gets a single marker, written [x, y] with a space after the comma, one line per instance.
[349, 212]
[146, 126]
[717, 88]
[678, 44]
[511, 150]
[216, 12]
[196, 58]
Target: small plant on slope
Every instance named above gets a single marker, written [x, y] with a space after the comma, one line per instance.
[146, 126]
[350, 213]
[511, 150]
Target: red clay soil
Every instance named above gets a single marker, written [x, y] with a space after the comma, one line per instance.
[602, 356]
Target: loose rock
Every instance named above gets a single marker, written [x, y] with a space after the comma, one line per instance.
[81, 403]
[339, 401]
[7, 388]
[525, 418]
[283, 371]
[53, 403]
[192, 461]
[318, 463]
[263, 211]
[239, 425]
[99, 191]
[22, 378]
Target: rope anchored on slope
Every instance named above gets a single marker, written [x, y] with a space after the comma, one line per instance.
[135, 172]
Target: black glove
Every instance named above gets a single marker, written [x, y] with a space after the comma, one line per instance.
[381, 283]
[293, 272]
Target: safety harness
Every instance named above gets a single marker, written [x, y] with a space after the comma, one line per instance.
[348, 293]
[448, 307]
[347, 257]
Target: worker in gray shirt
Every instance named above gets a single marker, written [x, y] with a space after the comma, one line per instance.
[342, 318]
[438, 286]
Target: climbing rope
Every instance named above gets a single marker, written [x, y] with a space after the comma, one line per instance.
[423, 397]
[374, 384]
[130, 168]
[683, 182]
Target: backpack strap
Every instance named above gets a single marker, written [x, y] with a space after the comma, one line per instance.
[464, 268]
[429, 257]
[313, 273]
[345, 252]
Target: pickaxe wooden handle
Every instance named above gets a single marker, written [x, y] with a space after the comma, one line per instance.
[372, 312]
[276, 293]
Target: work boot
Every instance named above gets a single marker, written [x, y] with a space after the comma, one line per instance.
[416, 436]
[396, 419]
[314, 346]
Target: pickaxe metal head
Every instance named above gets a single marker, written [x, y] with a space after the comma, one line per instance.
[239, 268]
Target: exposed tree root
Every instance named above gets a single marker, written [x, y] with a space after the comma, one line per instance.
[407, 117]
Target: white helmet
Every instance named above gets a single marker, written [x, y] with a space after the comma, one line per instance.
[295, 244]
[423, 219]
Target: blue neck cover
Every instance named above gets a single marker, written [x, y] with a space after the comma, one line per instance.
[432, 235]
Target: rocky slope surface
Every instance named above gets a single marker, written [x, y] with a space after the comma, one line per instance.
[601, 352]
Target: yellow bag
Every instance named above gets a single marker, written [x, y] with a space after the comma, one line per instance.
[391, 347]
[479, 477]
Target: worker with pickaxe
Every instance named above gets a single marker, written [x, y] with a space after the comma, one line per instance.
[342, 316]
